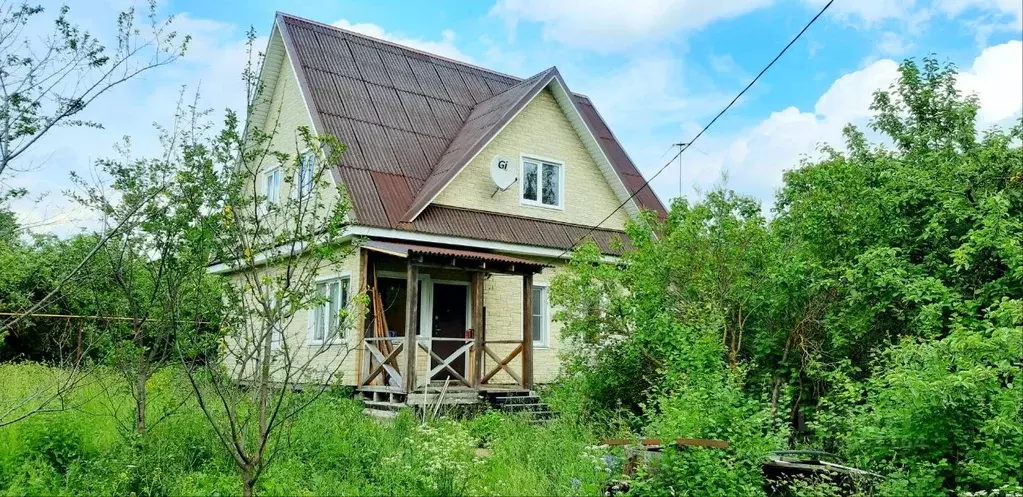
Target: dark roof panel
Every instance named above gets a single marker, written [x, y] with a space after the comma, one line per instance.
[400, 73]
[419, 112]
[336, 56]
[455, 85]
[429, 80]
[412, 161]
[358, 105]
[388, 107]
[376, 147]
[368, 61]
[447, 117]
[365, 198]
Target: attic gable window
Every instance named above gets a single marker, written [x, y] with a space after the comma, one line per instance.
[306, 171]
[272, 184]
[542, 183]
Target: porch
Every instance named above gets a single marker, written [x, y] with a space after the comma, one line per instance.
[425, 340]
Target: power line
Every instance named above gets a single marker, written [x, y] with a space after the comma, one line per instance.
[688, 144]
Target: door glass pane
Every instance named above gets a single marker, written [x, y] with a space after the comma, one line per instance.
[529, 181]
[550, 184]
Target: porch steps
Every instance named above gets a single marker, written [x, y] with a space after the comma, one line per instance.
[523, 403]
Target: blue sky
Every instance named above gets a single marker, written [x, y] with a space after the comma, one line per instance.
[657, 71]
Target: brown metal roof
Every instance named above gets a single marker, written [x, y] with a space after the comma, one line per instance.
[483, 124]
[406, 250]
[492, 226]
[407, 117]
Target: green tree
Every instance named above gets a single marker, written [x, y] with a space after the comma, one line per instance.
[35, 72]
[152, 269]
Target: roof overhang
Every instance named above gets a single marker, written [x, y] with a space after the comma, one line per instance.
[456, 258]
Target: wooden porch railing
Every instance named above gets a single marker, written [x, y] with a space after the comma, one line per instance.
[386, 362]
[445, 362]
[502, 363]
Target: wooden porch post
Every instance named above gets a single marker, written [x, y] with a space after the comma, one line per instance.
[477, 328]
[411, 324]
[527, 331]
[362, 369]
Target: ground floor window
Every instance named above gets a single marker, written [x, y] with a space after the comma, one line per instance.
[541, 317]
[325, 322]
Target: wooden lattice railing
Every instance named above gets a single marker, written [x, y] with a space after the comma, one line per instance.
[384, 351]
[502, 364]
[444, 363]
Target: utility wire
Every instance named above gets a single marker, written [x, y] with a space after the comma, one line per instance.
[688, 144]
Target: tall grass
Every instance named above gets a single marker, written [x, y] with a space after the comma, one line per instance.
[331, 449]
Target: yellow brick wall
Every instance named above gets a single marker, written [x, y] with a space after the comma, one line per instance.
[503, 300]
[287, 113]
[341, 356]
[541, 129]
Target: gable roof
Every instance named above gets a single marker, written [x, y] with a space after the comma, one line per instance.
[486, 120]
[412, 120]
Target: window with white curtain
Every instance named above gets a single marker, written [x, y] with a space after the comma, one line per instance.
[306, 172]
[272, 185]
[325, 319]
[541, 183]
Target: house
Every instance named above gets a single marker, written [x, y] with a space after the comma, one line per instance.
[468, 263]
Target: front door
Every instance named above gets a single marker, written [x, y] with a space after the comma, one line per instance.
[449, 309]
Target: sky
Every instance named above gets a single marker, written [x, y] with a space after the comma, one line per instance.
[658, 71]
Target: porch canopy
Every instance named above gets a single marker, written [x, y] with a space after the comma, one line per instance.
[423, 255]
[382, 352]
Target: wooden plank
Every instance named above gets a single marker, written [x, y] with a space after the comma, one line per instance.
[411, 324]
[445, 363]
[702, 442]
[527, 331]
[476, 361]
[503, 364]
[364, 276]
[386, 365]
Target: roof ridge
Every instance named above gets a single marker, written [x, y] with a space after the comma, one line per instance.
[398, 45]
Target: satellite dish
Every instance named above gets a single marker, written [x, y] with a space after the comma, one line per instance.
[501, 172]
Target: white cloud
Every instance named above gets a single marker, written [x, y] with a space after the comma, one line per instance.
[870, 12]
[613, 25]
[996, 76]
[953, 8]
[444, 47]
[756, 159]
[893, 44]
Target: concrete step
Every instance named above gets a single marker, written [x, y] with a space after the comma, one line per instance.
[536, 406]
[382, 406]
[519, 399]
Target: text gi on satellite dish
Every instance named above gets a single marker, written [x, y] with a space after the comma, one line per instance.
[501, 172]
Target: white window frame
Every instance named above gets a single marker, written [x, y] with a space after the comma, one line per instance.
[543, 339]
[344, 281]
[306, 158]
[275, 198]
[540, 161]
